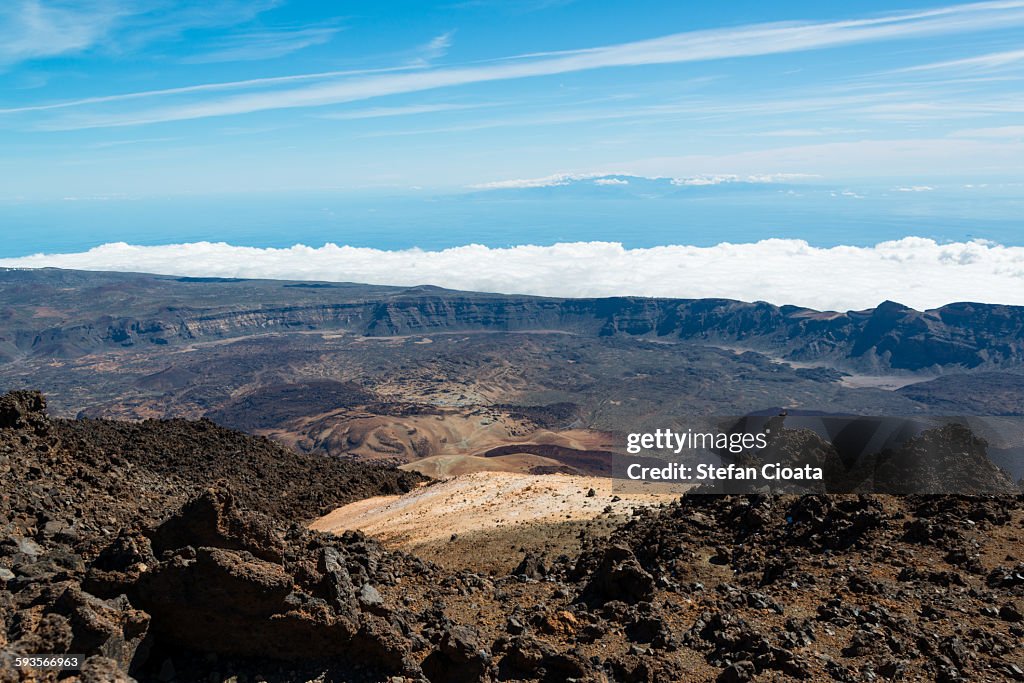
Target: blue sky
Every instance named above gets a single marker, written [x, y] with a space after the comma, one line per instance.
[149, 98]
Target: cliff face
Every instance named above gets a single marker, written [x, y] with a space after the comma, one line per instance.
[889, 336]
[64, 316]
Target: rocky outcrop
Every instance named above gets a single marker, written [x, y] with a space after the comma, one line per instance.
[945, 459]
[111, 629]
[294, 597]
[86, 568]
[204, 521]
[618, 576]
[24, 409]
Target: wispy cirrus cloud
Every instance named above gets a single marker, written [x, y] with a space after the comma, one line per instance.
[511, 6]
[909, 157]
[39, 29]
[879, 105]
[407, 110]
[33, 29]
[992, 132]
[434, 49]
[992, 60]
[261, 45]
[693, 46]
[161, 22]
[253, 83]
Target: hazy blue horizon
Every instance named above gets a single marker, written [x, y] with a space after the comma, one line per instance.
[821, 215]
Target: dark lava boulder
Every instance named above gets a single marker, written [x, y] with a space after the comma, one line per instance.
[618, 576]
[21, 409]
[294, 599]
[212, 519]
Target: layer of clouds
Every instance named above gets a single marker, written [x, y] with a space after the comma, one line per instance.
[733, 178]
[914, 271]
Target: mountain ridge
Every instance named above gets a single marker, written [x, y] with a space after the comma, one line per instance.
[42, 316]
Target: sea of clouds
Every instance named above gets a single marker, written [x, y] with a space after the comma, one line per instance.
[914, 271]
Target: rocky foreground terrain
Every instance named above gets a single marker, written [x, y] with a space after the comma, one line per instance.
[178, 551]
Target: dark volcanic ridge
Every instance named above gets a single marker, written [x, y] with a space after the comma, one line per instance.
[949, 459]
[119, 544]
[90, 477]
[45, 316]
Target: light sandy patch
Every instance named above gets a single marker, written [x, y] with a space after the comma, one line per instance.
[888, 382]
[47, 312]
[444, 466]
[481, 501]
[848, 380]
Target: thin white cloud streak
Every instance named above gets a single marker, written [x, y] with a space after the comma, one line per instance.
[534, 121]
[511, 6]
[881, 106]
[263, 45]
[796, 36]
[914, 271]
[753, 40]
[919, 111]
[202, 87]
[409, 110]
[992, 60]
[993, 132]
[106, 144]
[434, 49]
